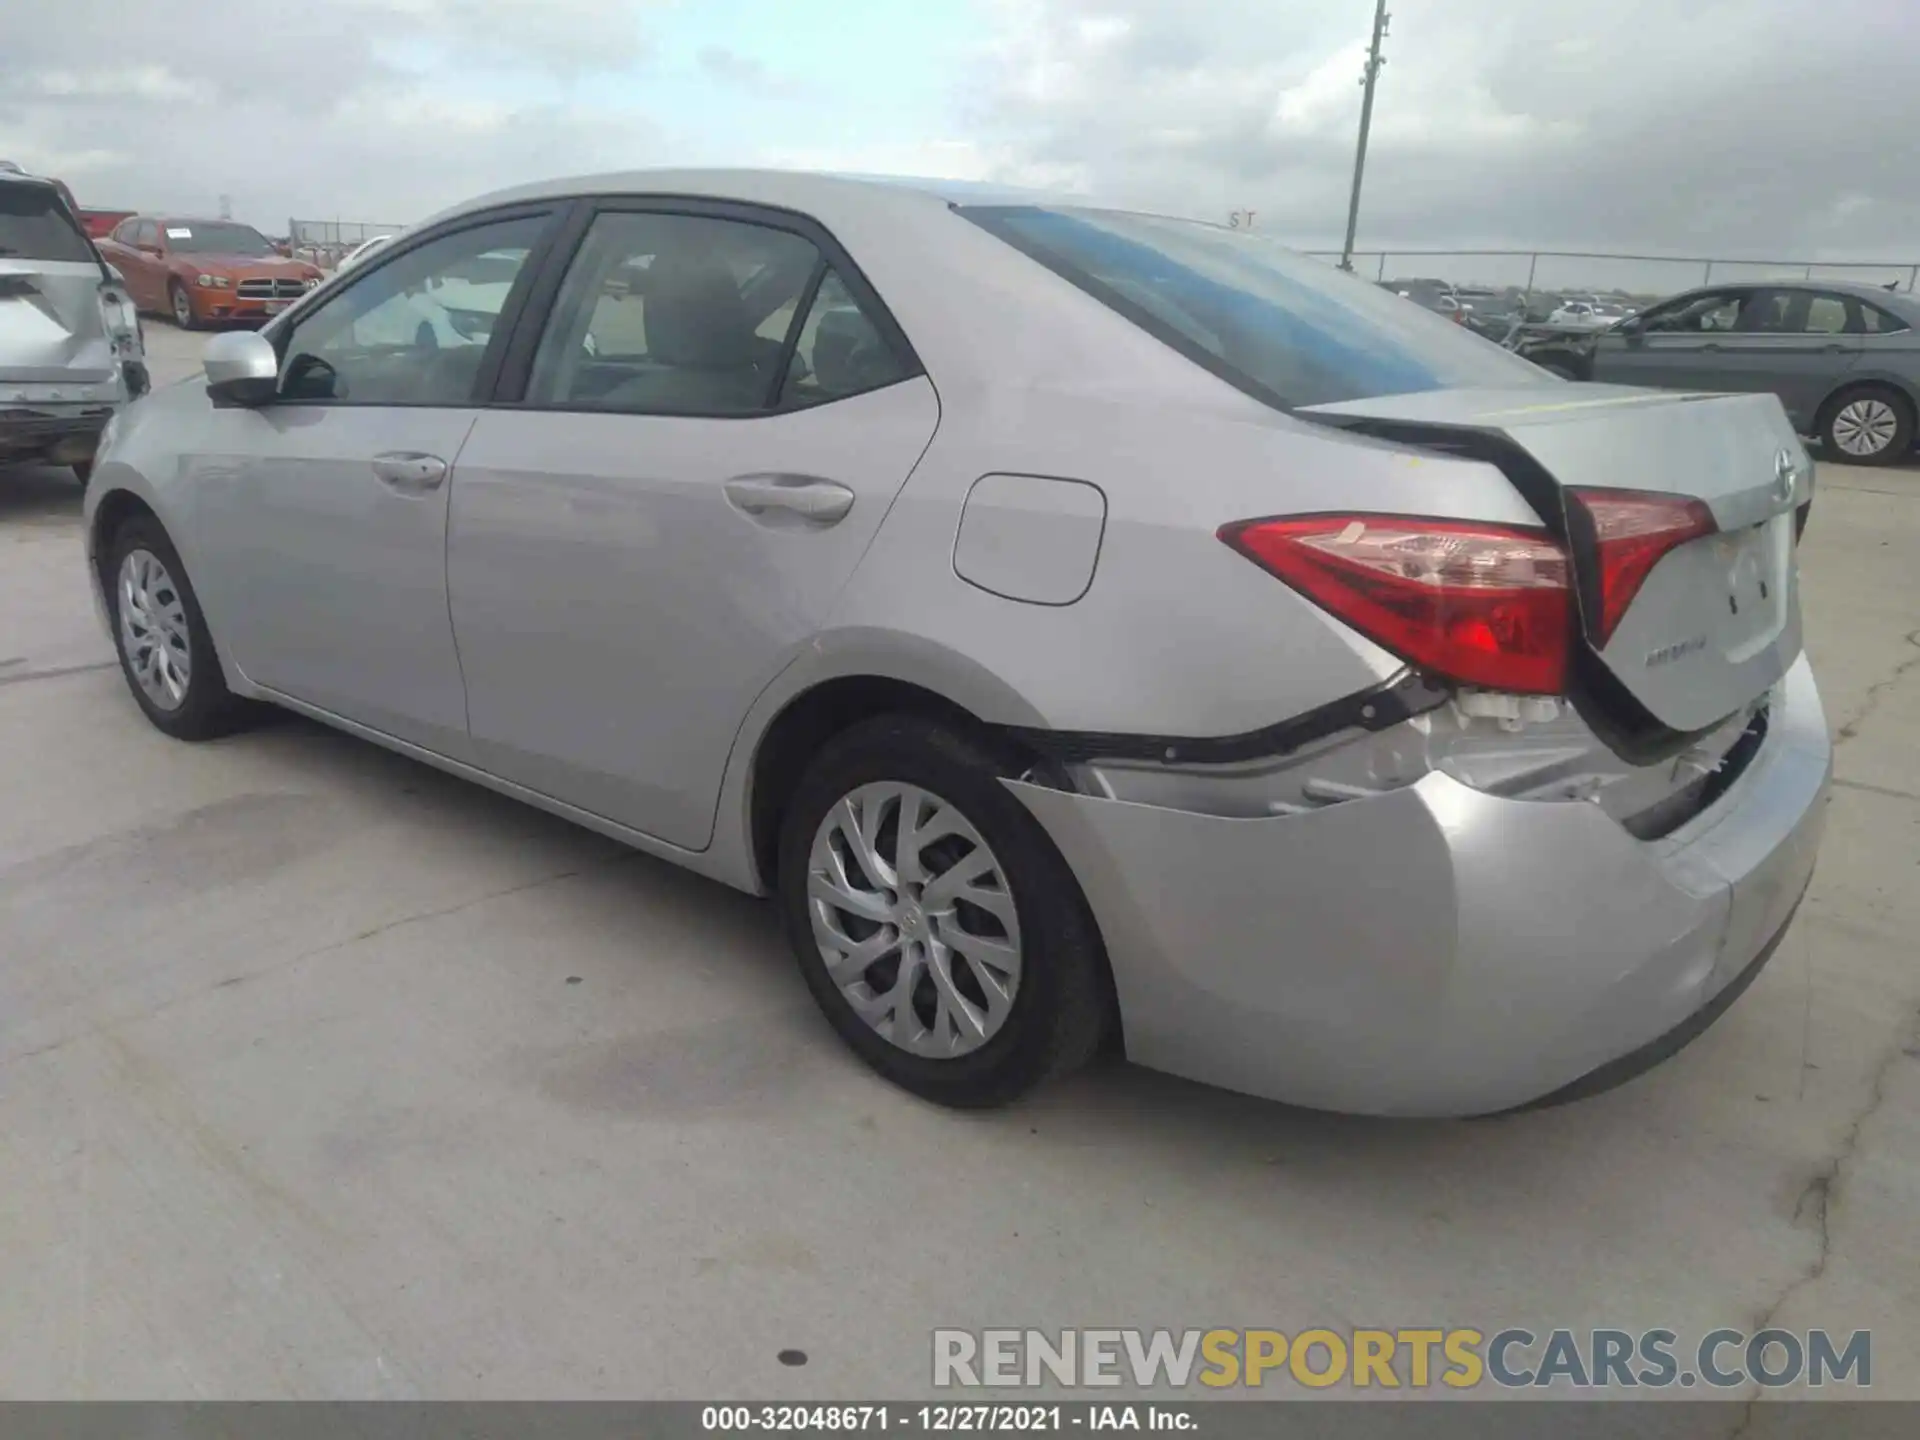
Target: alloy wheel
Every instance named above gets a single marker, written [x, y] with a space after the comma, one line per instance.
[914, 919]
[1865, 427]
[182, 308]
[153, 630]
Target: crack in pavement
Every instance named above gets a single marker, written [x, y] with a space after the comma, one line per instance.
[1820, 1195]
[1887, 790]
[54, 672]
[1824, 1190]
[1877, 691]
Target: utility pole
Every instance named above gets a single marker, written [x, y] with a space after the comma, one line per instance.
[1374, 61]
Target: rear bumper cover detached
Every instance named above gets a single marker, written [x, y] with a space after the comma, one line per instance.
[66, 432]
[1437, 950]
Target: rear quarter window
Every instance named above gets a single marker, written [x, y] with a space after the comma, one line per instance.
[1289, 330]
[35, 225]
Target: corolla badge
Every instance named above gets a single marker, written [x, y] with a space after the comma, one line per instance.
[1667, 654]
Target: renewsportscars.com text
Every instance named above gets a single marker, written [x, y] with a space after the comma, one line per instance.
[1415, 1359]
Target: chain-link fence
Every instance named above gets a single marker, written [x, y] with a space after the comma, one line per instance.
[1647, 277]
[324, 241]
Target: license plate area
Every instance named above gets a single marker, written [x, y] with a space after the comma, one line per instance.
[274, 307]
[1752, 569]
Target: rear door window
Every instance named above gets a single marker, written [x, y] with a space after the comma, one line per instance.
[670, 314]
[839, 351]
[1827, 315]
[1879, 322]
[35, 225]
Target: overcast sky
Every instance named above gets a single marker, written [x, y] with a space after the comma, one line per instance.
[1764, 128]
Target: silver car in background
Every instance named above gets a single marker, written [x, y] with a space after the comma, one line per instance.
[1090, 627]
[70, 343]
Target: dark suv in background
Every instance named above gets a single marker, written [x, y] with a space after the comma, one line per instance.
[70, 344]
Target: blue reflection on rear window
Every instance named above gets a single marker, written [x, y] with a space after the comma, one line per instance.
[1289, 328]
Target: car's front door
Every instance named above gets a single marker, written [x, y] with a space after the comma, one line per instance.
[1675, 346]
[681, 475]
[323, 514]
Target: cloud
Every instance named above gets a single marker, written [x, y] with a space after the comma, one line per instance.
[1718, 127]
[1721, 127]
[382, 110]
[746, 72]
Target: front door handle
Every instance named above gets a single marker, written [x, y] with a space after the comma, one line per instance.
[821, 501]
[410, 470]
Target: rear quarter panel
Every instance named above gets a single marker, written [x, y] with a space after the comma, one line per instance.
[1176, 634]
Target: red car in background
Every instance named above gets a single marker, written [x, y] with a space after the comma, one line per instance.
[199, 272]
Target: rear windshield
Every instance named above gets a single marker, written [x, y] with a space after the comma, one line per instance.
[1287, 329]
[34, 225]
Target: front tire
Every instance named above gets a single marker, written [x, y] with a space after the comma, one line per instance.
[938, 928]
[181, 304]
[161, 636]
[1868, 425]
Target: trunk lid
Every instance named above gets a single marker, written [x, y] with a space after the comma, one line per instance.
[52, 330]
[1716, 622]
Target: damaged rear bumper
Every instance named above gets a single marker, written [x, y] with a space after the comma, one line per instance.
[1436, 950]
[63, 434]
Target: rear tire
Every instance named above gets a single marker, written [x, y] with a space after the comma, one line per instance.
[1048, 961]
[160, 634]
[1868, 425]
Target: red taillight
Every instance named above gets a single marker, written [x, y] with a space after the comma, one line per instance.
[1481, 604]
[1632, 530]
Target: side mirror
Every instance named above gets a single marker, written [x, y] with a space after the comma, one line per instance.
[242, 368]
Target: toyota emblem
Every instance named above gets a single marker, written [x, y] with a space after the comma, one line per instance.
[1786, 470]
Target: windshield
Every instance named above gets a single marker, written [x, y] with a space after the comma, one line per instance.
[34, 225]
[198, 237]
[1287, 329]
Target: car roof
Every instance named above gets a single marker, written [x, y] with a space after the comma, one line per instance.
[1902, 302]
[805, 190]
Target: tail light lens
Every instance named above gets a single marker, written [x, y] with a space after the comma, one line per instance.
[1485, 605]
[1630, 530]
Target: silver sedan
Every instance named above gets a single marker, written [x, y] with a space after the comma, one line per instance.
[1091, 628]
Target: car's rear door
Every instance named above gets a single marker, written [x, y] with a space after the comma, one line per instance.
[703, 419]
[1790, 342]
[323, 514]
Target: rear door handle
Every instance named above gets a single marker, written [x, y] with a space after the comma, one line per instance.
[821, 501]
[410, 470]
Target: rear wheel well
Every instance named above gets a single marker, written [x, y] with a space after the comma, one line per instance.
[1847, 390]
[115, 509]
[815, 717]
